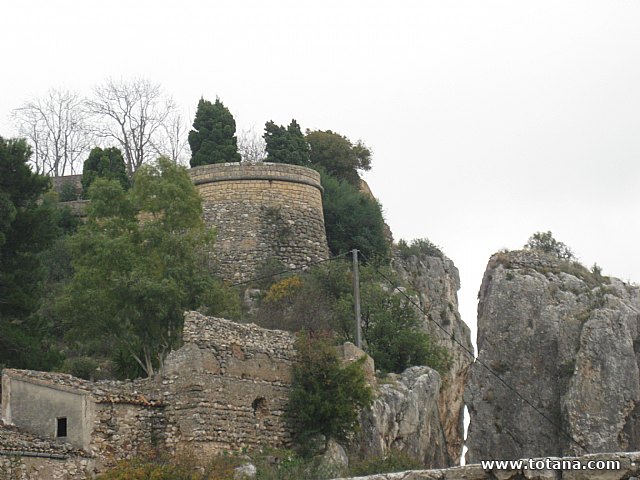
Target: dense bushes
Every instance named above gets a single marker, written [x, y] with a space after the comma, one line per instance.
[30, 225]
[326, 396]
[352, 219]
[132, 280]
[270, 465]
[418, 247]
[544, 242]
[321, 300]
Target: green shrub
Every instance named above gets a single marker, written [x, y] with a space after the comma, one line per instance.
[182, 467]
[81, 367]
[326, 396]
[418, 247]
[284, 465]
[394, 461]
[307, 303]
[323, 300]
[104, 163]
[544, 242]
[139, 470]
[391, 330]
[68, 192]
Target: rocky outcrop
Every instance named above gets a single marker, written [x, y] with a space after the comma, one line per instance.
[568, 341]
[436, 281]
[405, 417]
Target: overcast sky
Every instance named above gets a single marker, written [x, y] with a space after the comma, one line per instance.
[488, 120]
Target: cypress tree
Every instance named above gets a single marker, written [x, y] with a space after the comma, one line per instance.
[104, 163]
[286, 145]
[213, 138]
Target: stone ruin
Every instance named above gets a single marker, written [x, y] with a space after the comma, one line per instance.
[225, 389]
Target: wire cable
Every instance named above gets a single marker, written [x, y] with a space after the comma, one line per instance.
[480, 362]
[303, 267]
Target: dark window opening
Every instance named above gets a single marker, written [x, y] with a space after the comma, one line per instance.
[61, 431]
[259, 406]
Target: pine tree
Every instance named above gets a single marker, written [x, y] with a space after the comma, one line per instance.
[213, 138]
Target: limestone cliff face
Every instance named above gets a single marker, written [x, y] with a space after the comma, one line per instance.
[405, 417]
[436, 281]
[568, 341]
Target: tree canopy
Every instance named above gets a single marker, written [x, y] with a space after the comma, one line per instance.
[131, 113]
[337, 155]
[57, 128]
[139, 262]
[213, 138]
[28, 225]
[104, 163]
[326, 396]
[286, 144]
[352, 219]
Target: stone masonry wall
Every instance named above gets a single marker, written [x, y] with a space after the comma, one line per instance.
[42, 468]
[262, 211]
[123, 431]
[227, 388]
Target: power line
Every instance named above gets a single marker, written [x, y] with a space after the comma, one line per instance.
[289, 270]
[477, 359]
[450, 335]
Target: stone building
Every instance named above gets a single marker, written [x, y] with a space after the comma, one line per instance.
[98, 418]
[225, 389]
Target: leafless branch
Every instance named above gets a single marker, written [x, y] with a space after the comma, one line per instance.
[56, 127]
[251, 146]
[172, 139]
[134, 114]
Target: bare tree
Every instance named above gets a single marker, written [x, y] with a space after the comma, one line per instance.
[251, 146]
[172, 140]
[56, 127]
[133, 113]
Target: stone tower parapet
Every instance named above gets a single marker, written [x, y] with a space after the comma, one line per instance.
[262, 211]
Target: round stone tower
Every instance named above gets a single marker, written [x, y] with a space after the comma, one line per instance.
[262, 211]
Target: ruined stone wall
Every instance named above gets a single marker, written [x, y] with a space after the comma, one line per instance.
[122, 431]
[227, 388]
[24, 457]
[262, 211]
[44, 468]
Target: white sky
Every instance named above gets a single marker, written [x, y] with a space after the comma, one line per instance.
[489, 120]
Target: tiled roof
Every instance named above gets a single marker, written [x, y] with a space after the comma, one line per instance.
[103, 391]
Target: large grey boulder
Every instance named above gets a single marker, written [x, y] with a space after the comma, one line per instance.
[405, 417]
[568, 341]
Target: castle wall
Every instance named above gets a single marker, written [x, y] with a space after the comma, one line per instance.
[227, 388]
[262, 211]
[122, 431]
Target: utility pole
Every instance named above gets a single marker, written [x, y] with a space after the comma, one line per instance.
[356, 297]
